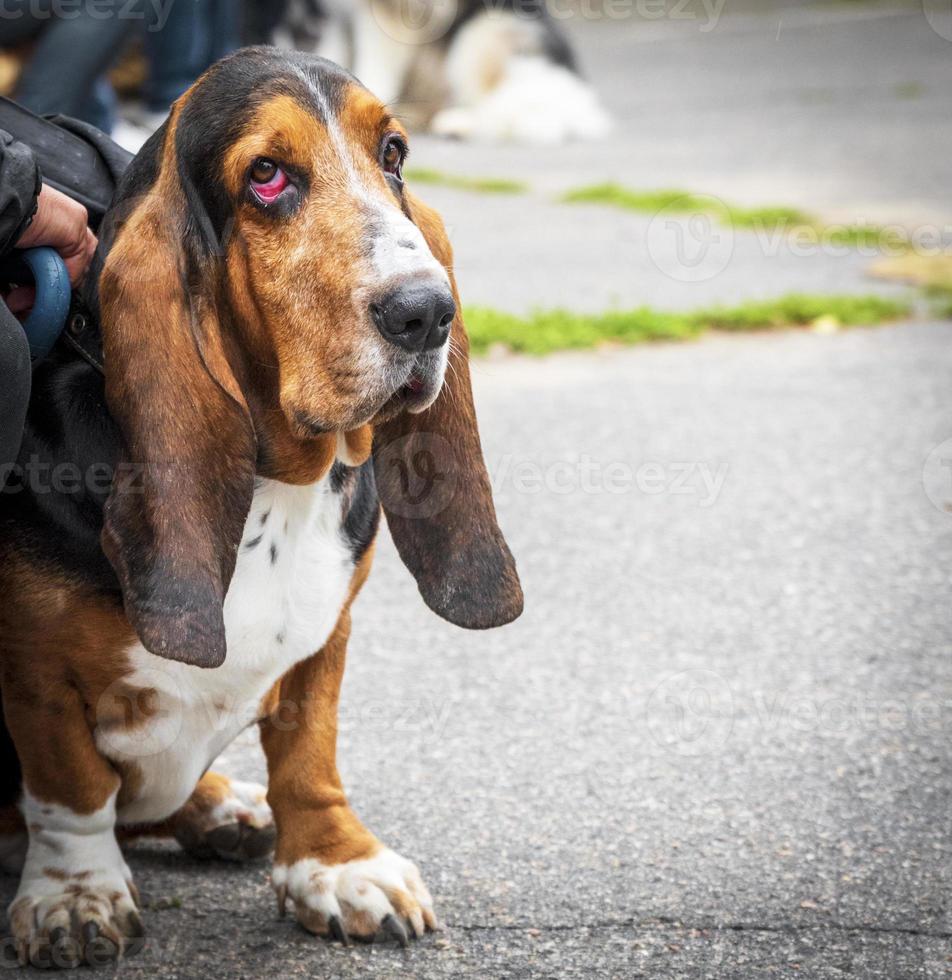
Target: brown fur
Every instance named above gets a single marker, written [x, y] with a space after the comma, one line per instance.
[299, 735]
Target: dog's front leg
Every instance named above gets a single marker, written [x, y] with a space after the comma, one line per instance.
[342, 880]
[76, 899]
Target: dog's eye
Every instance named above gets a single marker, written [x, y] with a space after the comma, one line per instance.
[393, 152]
[267, 180]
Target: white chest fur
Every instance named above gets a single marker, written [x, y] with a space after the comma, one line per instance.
[291, 579]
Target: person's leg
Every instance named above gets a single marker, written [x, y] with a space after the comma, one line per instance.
[226, 24]
[196, 33]
[72, 53]
[15, 380]
[100, 107]
[175, 53]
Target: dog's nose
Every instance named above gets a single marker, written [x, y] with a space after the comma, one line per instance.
[416, 317]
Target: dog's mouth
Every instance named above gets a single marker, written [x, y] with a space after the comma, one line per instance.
[414, 387]
[420, 389]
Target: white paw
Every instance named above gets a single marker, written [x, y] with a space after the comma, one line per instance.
[76, 901]
[247, 804]
[378, 897]
[63, 923]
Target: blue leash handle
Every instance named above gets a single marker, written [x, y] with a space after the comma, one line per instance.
[53, 294]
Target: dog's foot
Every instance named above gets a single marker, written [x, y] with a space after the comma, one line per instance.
[378, 898]
[63, 923]
[76, 902]
[227, 819]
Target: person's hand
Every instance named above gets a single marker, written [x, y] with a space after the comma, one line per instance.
[60, 222]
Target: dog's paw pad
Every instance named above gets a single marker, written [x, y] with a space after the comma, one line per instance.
[241, 841]
[237, 826]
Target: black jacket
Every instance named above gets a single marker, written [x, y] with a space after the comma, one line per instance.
[20, 182]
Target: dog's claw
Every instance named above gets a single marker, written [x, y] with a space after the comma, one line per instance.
[134, 927]
[392, 926]
[338, 931]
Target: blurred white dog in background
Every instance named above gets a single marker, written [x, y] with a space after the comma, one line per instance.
[467, 69]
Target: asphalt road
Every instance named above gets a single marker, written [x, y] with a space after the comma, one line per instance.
[716, 744]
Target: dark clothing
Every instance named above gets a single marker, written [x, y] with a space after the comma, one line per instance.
[19, 187]
[14, 388]
[72, 53]
[195, 35]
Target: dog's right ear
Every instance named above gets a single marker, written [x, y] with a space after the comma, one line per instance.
[176, 512]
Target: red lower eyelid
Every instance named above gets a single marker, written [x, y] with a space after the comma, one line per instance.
[271, 191]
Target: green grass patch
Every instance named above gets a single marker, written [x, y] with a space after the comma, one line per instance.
[764, 219]
[767, 217]
[616, 196]
[909, 90]
[545, 331]
[480, 185]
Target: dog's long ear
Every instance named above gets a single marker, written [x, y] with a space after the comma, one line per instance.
[435, 489]
[174, 518]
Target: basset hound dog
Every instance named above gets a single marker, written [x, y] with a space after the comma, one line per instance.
[282, 354]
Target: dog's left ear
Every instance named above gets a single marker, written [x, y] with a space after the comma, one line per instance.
[435, 490]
